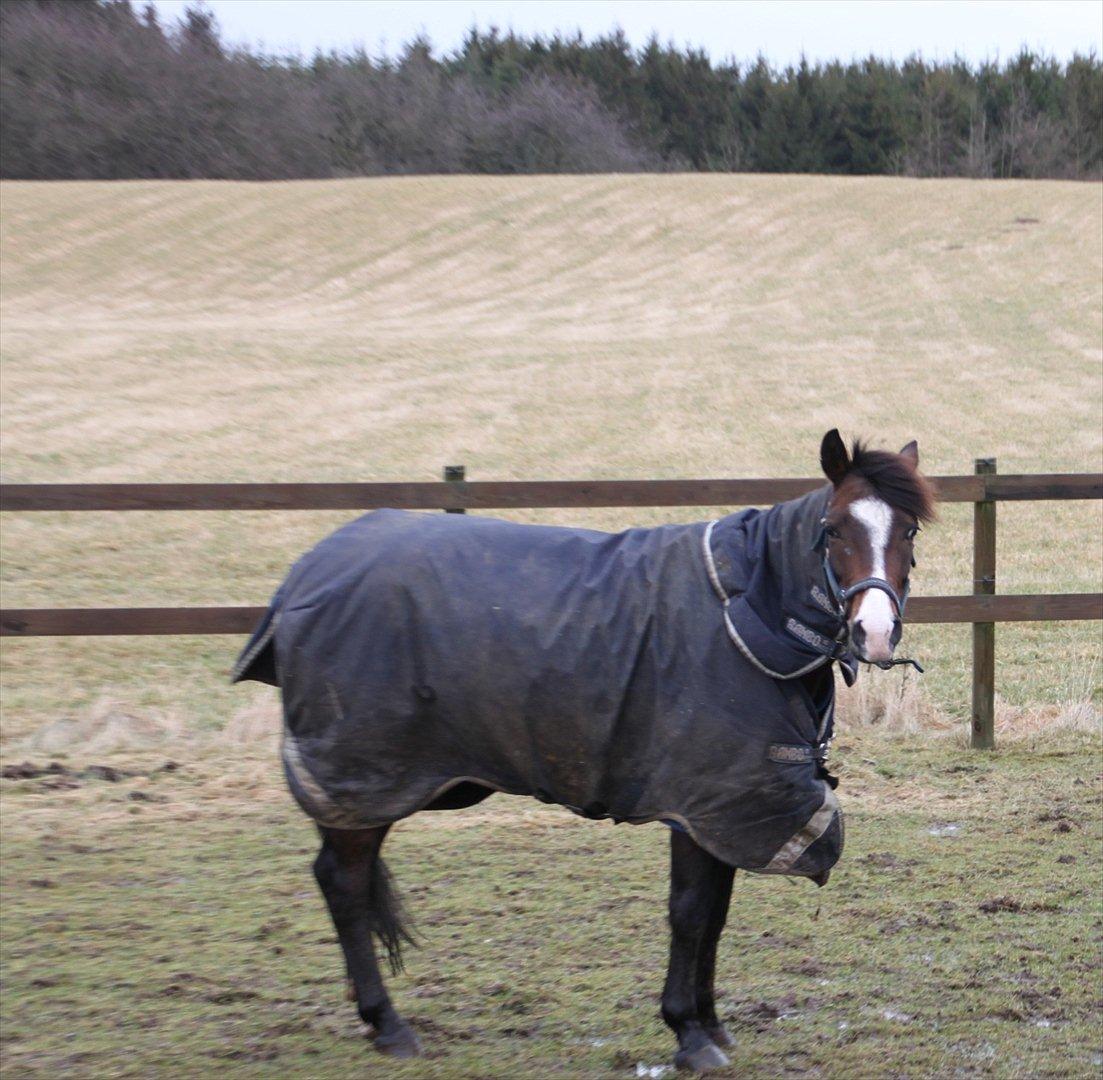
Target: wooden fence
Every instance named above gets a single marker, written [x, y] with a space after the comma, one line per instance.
[983, 608]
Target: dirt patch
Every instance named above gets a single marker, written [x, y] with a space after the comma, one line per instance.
[230, 997]
[809, 966]
[760, 1015]
[87, 783]
[28, 770]
[1011, 904]
[889, 861]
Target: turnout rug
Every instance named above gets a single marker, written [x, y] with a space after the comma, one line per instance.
[681, 674]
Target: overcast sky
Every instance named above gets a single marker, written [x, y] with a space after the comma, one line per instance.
[780, 29]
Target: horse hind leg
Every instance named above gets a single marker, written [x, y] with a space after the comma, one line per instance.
[356, 886]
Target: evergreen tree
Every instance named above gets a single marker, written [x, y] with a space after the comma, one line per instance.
[93, 88]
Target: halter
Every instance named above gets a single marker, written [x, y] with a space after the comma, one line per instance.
[841, 597]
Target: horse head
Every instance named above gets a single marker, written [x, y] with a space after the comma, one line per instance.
[867, 539]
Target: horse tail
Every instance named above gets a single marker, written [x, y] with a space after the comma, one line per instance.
[389, 921]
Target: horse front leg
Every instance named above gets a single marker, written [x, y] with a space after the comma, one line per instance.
[706, 958]
[700, 889]
[356, 886]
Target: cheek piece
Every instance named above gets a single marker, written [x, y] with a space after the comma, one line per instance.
[841, 597]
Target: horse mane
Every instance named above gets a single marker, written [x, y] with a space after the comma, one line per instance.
[894, 479]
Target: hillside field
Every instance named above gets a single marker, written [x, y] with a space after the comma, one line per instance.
[539, 328]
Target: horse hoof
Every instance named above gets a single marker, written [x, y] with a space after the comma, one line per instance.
[703, 1059]
[399, 1043]
[720, 1036]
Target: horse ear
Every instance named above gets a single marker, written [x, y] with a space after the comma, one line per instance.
[911, 452]
[833, 457]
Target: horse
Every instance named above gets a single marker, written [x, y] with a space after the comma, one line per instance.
[682, 674]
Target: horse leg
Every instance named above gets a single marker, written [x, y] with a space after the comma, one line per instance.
[697, 896]
[706, 958]
[356, 886]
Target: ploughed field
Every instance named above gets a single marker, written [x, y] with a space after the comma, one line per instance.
[560, 327]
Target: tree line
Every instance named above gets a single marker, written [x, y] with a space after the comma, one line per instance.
[97, 89]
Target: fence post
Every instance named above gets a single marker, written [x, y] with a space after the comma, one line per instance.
[983, 734]
[455, 474]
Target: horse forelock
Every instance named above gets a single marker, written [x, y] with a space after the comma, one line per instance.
[890, 477]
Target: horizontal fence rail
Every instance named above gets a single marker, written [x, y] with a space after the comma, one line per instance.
[95, 622]
[983, 609]
[508, 494]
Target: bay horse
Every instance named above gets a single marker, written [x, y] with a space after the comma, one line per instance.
[681, 674]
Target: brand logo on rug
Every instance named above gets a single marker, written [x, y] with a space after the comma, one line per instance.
[790, 755]
[809, 637]
[821, 598]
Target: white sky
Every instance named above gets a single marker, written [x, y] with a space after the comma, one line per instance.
[780, 29]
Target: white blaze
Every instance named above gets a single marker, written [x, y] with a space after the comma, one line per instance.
[875, 610]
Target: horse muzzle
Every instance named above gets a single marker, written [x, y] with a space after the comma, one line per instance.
[874, 639]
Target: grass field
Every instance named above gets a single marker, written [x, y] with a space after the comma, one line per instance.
[651, 326]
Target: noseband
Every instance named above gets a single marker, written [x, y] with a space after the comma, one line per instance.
[840, 597]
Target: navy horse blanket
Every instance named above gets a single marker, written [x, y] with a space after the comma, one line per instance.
[680, 674]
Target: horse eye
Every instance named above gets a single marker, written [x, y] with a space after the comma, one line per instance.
[912, 532]
[832, 532]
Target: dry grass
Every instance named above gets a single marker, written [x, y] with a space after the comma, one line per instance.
[901, 705]
[902, 708]
[541, 327]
